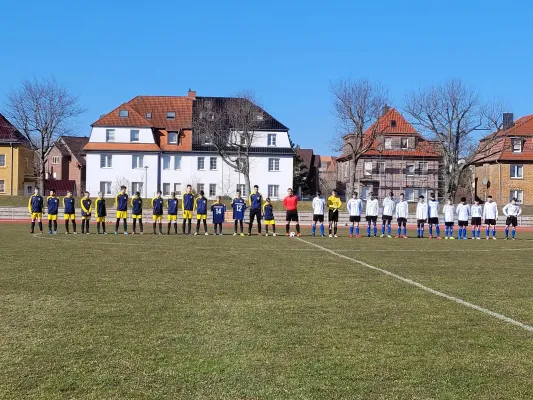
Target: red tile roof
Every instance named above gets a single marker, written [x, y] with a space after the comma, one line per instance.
[106, 146]
[10, 134]
[384, 124]
[60, 186]
[134, 119]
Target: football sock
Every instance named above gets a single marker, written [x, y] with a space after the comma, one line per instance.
[74, 226]
[266, 228]
[493, 232]
[134, 225]
[160, 227]
[368, 230]
[451, 231]
[155, 225]
[117, 224]
[400, 230]
[140, 225]
[41, 226]
[189, 223]
[388, 229]
[274, 228]
[125, 225]
[55, 226]
[66, 226]
[250, 225]
[473, 232]
[383, 229]
[87, 225]
[430, 230]
[335, 229]
[183, 227]
[351, 230]
[215, 229]
[422, 230]
[357, 230]
[50, 225]
[404, 231]
[205, 225]
[98, 227]
[487, 231]
[220, 228]
[313, 229]
[32, 226]
[506, 231]
[438, 230]
[197, 226]
[322, 229]
[287, 227]
[375, 230]
[235, 229]
[298, 228]
[242, 225]
[258, 226]
[513, 232]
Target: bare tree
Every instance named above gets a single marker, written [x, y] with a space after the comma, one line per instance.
[452, 113]
[358, 108]
[232, 128]
[42, 110]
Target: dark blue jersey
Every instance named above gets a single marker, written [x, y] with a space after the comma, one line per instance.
[86, 207]
[239, 206]
[68, 204]
[157, 205]
[255, 201]
[187, 203]
[121, 202]
[101, 210]
[201, 205]
[136, 206]
[35, 205]
[268, 212]
[53, 205]
[172, 206]
[218, 210]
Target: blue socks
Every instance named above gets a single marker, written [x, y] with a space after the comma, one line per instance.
[404, 231]
[431, 230]
[313, 230]
[368, 230]
[388, 230]
[375, 230]
[438, 230]
[506, 232]
[487, 232]
[399, 231]
[383, 229]
[322, 229]
[351, 229]
[357, 230]
[493, 232]
[513, 233]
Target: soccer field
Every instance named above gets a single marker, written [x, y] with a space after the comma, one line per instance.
[152, 317]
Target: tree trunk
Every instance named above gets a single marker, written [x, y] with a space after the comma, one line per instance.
[42, 174]
[247, 182]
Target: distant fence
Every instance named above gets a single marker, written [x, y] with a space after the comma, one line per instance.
[306, 217]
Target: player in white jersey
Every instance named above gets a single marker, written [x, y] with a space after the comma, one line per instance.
[477, 211]
[449, 213]
[402, 212]
[511, 211]
[355, 208]
[421, 215]
[371, 213]
[386, 215]
[319, 206]
[490, 215]
[433, 216]
[463, 215]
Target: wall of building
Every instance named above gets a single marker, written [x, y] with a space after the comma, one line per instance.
[500, 184]
[122, 135]
[18, 168]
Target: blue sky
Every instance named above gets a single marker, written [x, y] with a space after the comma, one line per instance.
[287, 51]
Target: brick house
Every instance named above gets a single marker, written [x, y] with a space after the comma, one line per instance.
[507, 171]
[400, 159]
[66, 162]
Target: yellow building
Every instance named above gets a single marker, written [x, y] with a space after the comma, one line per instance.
[16, 161]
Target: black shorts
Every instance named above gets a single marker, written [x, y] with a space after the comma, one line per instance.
[333, 215]
[476, 221]
[462, 223]
[387, 218]
[355, 218]
[318, 217]
[402, 221]
[449, 224]
[512, 220]
[371, 218]
[433, 221]
[292, 215]
[420, 221]
[490, 222]
[255, 213]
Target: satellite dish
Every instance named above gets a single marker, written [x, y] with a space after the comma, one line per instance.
[485, 181]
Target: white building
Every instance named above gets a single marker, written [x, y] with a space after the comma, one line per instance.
[149, 143]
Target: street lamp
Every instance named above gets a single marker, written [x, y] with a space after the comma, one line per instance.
[146, 181]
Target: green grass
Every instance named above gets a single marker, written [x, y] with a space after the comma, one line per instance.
[144, 317]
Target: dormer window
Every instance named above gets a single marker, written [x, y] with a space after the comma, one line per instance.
[259, 117]
[404, 143]
[148, 115]
[171, 115]
[517, 145]
[123, 113]
[173, 137]
[393, 123]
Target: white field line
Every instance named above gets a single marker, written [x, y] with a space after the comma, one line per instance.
[457, 300]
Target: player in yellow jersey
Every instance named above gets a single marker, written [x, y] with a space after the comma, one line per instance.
[333, 203]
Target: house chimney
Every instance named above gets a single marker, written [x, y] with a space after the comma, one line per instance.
[508, 120]
[192, 94]
[384, 110]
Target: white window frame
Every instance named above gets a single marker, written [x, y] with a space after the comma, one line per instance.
[199, 186]
[109, 135]
[382, 167]
[519, 194]
[106, 160]
[516, 171]
[171, 136]
[273, 165]
[2, 186]
[409, 194]
[409, 166]
[137, 187]
[388, 143]
[198, 163]
[520, 143]
[367, 168]
[272, 140]
[177, 163]
[212, 190]
[242, 188]
[165, 160]
[137, 161]
[213, 163]
[55, 160]
[171, 115]
[273, 191]
[166, 189]
[123, 113]
[423, 166]
[132, 133]
[406, 143]
[148, 115]
[177, 189]
[105, 187]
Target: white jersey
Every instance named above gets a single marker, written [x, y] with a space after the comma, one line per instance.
[448, 211]
[422, 211]
[319, 205]
[490, 210]
[388, 206]
[402, 209]
[463, 212]
[512, 210]
[372, 208]
[433, 209]
[476, 210]
[354, 207]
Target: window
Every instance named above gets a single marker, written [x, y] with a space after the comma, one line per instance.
[519, 194]
[273, 191]
[517, 145]
[199, 187]
[381, 167]
[166, 189]
[201, 162]
[123, 113]
[105, 187]
[106, 161]
[367, 168]
[388, 143]
[242, 139]
[137, 162]
[136, 187]
[109, 135]
[271, 139]
[171, 115]
[29, 190]
[54, 175]
[242, 189]
[207, 140]
[134, 135]
[2, 186]
[409, 194]
[177, 189]
[172, 137]
[55, 160]
[393, 123]
[365, 191]
[423, 167]
[212, 163]
[273, 164]
[259, 117]
[148, 115]
[177, 162]
[517, 171]
[212, 189]
[410, 169]
[404, 143]
[166, 162]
